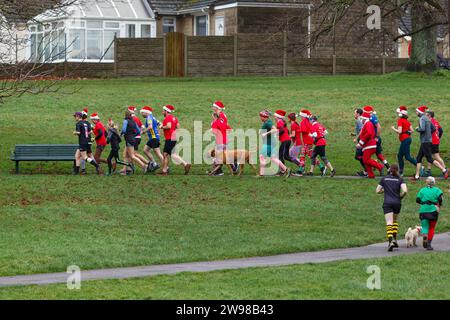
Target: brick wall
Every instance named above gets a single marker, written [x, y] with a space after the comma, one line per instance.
[140, 57]
[210, 56]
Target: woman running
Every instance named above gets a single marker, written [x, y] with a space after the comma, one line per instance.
[394, 189]
[430, 199]
[404, 130]
[129, 131]
[268, 129]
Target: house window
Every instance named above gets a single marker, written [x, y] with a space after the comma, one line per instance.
[220, 26]
[168, 25]
[131, 30]
[77, 44]
[201, 26]
[146, 31]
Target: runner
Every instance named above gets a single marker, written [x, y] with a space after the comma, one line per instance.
[285, 139]
[394, 189]
[114, 140]
[358, 153]
[430, 199]
[404, 130]
[170, 126]
[219, 128]
[368, 145]
[296, 137]
[379, 141]
[154, 141]
[436, 138]
[307, 141]
[138, 138]
[318, 134]
[100, 138]
[268, 129]
[130, 130]
[426, 129]
[83, 131]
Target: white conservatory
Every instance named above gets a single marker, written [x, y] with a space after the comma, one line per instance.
[85, 32]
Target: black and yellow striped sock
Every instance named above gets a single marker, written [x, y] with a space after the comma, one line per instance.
[395, 230]
[389, 231]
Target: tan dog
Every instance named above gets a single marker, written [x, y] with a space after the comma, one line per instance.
[230, 157]
[411, 236]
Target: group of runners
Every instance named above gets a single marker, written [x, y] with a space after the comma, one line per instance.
[302, 139]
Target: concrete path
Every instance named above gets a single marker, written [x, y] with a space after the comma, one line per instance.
[441, 243]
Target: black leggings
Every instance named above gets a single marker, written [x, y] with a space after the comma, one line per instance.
[114, 153]
[284, 153]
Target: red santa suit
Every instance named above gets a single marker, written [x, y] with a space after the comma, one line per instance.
[369, 146]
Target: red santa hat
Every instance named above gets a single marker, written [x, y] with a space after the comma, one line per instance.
[422, 109]
[132, 109]
[85, 112]
[218, 105]
[169, 109]
[305, 113]
[365, 116]
[402, 111]
[95, 116]
[369, 109]
[280, 114]
[147, 110]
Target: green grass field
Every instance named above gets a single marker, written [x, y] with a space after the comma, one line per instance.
[416, 277]
[50, 219]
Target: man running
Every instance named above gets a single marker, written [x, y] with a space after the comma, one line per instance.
[436, 138]
[100, 135]
[377, 126]
[430, 199]
[83, 131]
[426, 129]
[138, 138]
[368, 144]
[394, 189]
[307, 141]
[318, 134]
[170, 126]
[151, 127]
[358, 152]
[130, 130]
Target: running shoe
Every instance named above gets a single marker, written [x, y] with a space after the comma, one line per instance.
[429, 247]
[395, 243]
[323, 171]
[187, 168]
[425, 242]
[446, 175]
[391, 247]
[333, 173]
[361, 174]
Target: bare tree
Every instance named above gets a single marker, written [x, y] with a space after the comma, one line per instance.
[336, 21]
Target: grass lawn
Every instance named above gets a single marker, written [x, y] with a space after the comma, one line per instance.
[51, 221]
[422, 276]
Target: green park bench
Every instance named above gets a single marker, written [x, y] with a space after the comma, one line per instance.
[43, 152]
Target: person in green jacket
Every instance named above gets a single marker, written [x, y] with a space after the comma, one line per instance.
[430, 199]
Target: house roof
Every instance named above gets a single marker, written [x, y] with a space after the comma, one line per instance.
[106, 9]
[177, 6]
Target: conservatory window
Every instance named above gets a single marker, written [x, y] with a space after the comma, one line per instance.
[77, 44]
[131, 30]
[94, 44]
[146, 31]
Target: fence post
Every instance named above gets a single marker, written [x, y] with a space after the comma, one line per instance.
[116, 58]
[334, 65]
[186, 51]
[235, 55]
[165, 56]
[383, 65]
[285, 53]
[17, 49]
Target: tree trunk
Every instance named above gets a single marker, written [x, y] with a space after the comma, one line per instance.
[424, 39]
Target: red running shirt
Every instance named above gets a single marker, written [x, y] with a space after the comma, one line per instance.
[99, 128]
[306, 129]
[170, 134]
[435, 140]
[283, 131]
[406, 126]
[295, 128]
[319, 129]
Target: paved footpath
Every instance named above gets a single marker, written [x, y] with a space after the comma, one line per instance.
[441, 243]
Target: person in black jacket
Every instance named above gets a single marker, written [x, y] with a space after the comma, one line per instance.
[114, 140]
[130, 130]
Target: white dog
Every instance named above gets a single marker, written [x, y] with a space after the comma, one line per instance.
[411, 236]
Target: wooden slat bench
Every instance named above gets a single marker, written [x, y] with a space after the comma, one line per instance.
[43, 152]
